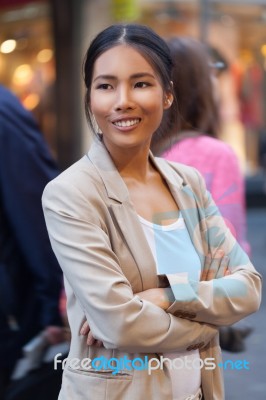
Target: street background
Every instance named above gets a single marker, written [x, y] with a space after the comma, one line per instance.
[247, 384]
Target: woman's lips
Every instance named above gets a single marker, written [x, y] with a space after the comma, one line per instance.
[127, 123]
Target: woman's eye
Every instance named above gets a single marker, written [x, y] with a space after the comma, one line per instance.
[104, 86]
[142, 84]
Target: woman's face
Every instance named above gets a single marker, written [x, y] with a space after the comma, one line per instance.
[126, 98]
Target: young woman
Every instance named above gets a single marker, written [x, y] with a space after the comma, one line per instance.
[145, 253]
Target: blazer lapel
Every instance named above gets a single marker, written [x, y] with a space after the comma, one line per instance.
[125, 215]
[134, 236]
[188, 203]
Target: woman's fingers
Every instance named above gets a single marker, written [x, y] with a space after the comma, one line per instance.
[215, 264]
[85, 329]
[227, 272]
[90, 339]
[207, 265]
[215, 267]
[223, 268]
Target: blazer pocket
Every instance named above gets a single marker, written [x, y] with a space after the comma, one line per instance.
[112, 361]
[103, 373]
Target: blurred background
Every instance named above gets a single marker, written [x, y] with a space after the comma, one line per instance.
[42, 45]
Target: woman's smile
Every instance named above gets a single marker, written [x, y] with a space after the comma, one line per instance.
[126, 123]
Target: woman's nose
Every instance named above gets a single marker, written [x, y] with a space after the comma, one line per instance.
[124, 100]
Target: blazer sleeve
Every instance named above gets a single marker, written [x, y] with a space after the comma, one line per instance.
[228, 299]
[116, 316]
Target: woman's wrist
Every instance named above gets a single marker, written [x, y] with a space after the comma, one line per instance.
[168, 297]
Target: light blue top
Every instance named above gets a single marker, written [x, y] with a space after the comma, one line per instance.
[175, 256]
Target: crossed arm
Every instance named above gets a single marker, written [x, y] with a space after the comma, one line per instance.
[163, 297]
[115, 313]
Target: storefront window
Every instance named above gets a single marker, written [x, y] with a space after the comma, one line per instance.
[27, 59]
[236, 29]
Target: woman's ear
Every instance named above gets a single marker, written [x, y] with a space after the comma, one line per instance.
[168, 101]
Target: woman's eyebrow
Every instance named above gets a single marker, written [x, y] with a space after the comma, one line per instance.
[142, 75]
[134, 76]
[109, 77]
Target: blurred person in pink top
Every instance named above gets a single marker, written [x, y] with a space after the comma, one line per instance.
[219, 165]
[191, 139]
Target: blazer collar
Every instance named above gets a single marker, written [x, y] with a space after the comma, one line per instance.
[115, 186]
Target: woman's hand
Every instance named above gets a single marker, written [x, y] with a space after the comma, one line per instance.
[86, 331]
[215, 268]
[161, 297]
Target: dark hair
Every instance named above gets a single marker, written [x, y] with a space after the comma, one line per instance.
[194, 92]
[151, 46]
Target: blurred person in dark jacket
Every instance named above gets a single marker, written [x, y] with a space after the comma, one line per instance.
[30, 278]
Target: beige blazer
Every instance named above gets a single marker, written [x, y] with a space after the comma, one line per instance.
[98, 240]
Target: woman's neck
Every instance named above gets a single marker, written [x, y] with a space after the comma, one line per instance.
[131, 163]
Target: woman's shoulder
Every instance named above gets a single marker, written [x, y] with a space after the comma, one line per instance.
[182, 172]
[80, 178]
[187, 178]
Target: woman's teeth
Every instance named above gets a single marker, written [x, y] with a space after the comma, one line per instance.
[129, 122]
